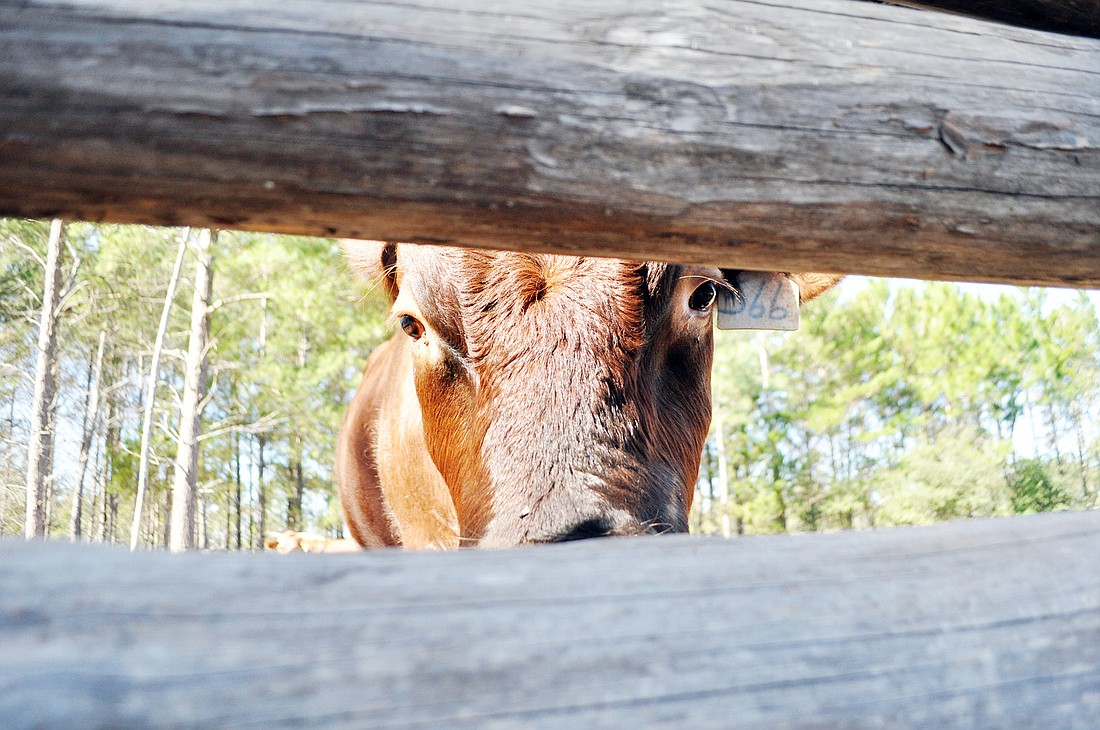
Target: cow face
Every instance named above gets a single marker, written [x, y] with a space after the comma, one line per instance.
[561, 397]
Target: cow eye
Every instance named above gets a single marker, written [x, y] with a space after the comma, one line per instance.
[411, 327]
[703, 297]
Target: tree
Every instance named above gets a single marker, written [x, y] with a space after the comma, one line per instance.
[294, 362]
[22, 250]
[151, 393]
[184, 483]
[40, 444]
[91, 411]
[286, 345]
[899, 403]
[1032, 490]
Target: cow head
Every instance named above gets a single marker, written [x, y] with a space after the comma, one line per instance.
[562, 397]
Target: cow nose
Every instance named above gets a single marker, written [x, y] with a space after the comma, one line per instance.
[600, 526]
[577, 527]
[592, 527]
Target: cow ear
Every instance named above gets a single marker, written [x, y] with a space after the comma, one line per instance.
[811, 285]
[375, 261]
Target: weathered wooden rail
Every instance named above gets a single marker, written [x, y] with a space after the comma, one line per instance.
[797, 134]
[986, 624]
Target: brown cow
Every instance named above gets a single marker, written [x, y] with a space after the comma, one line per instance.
[529, 398]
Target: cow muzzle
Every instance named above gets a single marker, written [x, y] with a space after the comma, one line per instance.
[612, 524]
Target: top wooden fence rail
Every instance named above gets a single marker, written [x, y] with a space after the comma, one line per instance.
[827, 135]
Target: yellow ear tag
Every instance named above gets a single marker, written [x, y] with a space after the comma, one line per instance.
[760, 301]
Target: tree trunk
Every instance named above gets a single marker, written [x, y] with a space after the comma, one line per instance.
[97, 487]
[695, 518]
[236, 490]
[155, 521]
[777, 489]
[112, 518]
[294, 501]
[91, 413]
[51, 438]
[228, 544]
[150, 397]
[723, 469]
[107, 467]
[45, 390]
[204, 536]
[166, 527]
[9, 462]
[261, 443]
[1055, 436]
[187, 457]
[1082, 458]
[110, 450]
[712, 478]
[738, 520]
[261, 494]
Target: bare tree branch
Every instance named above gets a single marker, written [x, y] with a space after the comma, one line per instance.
[238, 298]
[34, 254]
[261, 425]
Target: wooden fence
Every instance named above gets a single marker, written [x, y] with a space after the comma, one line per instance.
[794, 134]
[987, 624]
[827, 135]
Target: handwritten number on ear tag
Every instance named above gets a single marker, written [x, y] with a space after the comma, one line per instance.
[761, 301]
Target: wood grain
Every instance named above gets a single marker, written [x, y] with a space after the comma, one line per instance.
[827, 135]
[985, 624]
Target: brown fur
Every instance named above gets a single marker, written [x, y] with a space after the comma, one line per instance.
[549, 398]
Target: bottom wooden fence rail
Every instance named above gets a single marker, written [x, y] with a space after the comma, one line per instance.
[991, 623]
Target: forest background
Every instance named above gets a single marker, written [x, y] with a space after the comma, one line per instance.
[895, 403]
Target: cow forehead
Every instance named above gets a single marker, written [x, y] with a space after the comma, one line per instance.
[473, 296]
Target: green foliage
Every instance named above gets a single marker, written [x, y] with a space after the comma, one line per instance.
[294, 356]
[959, 473]
[1031, 489]
[21, 279]
[899, 404]
[291, 332]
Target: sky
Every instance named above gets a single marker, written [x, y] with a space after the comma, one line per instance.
[1055, 297]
